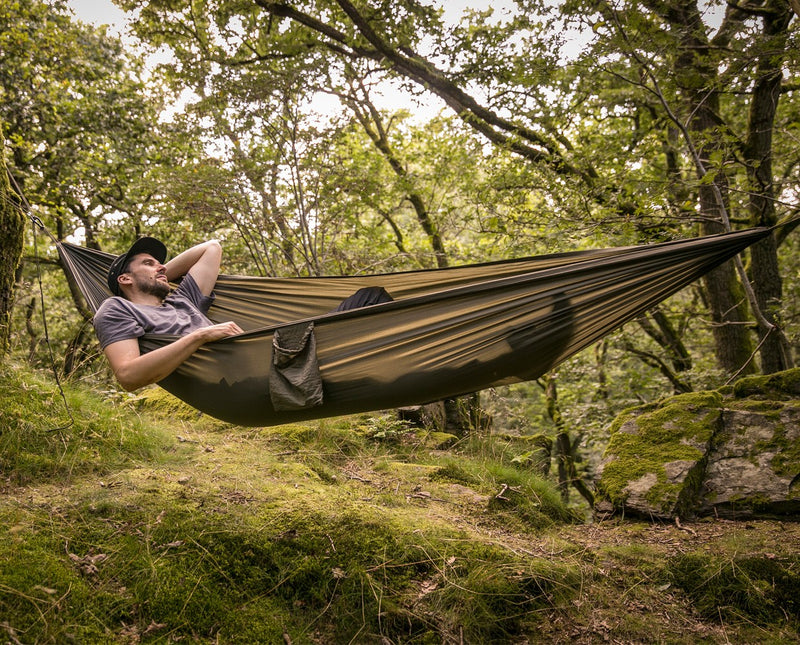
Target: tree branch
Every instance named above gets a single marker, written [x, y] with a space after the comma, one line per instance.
[654, 361]
[521, 140]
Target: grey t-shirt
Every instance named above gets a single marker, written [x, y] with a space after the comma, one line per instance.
[182, 312]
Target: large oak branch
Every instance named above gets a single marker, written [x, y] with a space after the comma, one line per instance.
[522, 140]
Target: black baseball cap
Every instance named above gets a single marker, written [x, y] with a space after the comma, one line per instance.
[143, 245]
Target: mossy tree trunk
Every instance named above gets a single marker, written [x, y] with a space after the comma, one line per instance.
[725, 296]
[12, 227]
[764, 271]
[697, 77]
[566, 449]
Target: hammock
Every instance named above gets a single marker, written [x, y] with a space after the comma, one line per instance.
[449, 332]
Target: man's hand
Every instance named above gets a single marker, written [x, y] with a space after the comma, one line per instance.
[216, 332]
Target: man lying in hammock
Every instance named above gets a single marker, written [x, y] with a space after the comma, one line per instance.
[145, 304]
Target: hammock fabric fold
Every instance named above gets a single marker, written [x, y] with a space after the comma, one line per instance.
[448, 332]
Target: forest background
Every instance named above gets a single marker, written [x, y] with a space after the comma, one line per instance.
[271, 126]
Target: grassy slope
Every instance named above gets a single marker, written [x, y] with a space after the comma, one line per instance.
[146, 523]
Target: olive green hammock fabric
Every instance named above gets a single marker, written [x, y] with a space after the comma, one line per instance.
[448, 332]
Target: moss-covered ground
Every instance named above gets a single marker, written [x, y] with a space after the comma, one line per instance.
[146, 523]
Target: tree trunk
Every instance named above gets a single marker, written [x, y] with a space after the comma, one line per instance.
[12, 228]
[766, 279]
[562, 456]
[665, 334]
[600, 353]
[697, 76]
[372, 124]
[727, 304]
[566, 450]
[33, 333]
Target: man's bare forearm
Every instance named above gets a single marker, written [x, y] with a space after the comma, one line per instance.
[135, 371]
[184, 261]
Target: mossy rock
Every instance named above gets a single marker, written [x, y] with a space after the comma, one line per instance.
[779, 386]
[656, 455]
[753, 470]
[708, 453]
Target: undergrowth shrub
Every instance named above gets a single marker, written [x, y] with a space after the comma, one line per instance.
[159, 557]
[354, 575]
[489, 597]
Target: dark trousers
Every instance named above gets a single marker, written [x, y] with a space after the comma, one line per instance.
[364, 298]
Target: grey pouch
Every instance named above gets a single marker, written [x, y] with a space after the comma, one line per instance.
[294, 379]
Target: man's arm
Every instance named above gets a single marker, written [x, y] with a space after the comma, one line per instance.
[134, 369]
[201, 261]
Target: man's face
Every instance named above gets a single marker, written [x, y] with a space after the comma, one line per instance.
[147, 275]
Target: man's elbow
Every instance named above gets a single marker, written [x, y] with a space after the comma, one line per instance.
[129, 385]
[130, 382]
[215, 250]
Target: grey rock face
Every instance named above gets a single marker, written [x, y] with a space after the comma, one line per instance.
[733, 453]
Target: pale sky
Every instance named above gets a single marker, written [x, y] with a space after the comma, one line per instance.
[104, 12]
[99, 12]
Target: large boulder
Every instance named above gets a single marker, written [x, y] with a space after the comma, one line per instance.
[731, 453]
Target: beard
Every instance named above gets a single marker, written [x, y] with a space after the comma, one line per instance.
[157, 288]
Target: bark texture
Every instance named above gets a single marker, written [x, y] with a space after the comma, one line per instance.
[12, 226]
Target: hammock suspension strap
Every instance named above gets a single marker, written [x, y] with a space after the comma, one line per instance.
[37, 225]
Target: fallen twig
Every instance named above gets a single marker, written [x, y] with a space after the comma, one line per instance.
[500, 494]
[682, 527]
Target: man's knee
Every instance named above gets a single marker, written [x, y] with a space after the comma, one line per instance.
[365, 297]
